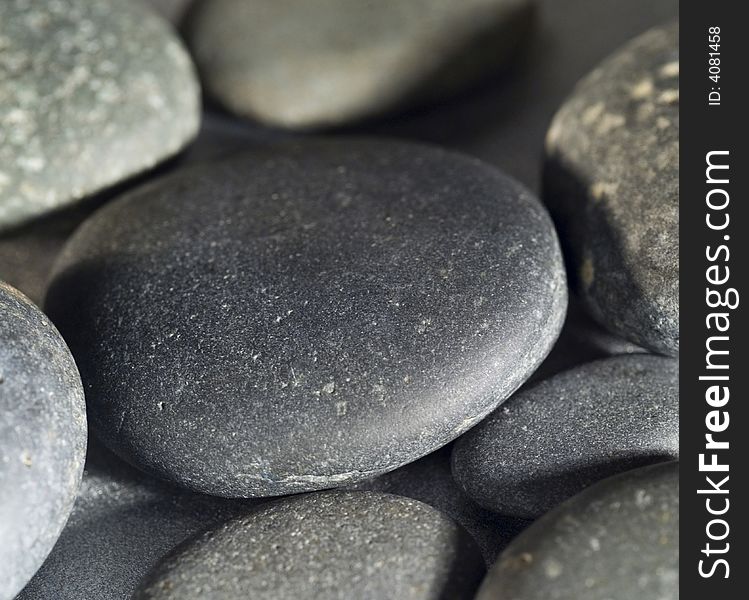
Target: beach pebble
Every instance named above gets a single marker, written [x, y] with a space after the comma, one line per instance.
[552, 440]
[617, 539]
[612, 182]
[430, 480]
[300, 64]
[42, 438]
[332, 545]
[307, 317]
[122, 524]
[91, 93]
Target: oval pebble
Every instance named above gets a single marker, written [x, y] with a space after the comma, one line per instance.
[300, 64]
[307, 317]
[91, 93]
[122, 524]
[333, 545]
[42, 438]
[430, 481]
[549, 442]
[612, 182]
[617, 539]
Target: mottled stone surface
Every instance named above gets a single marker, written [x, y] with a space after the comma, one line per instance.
[505, 121]
[90, 93]
[27, 253]
[612, 181]
[122, 523]
[301, 64]
[333, 545]
[42, 438]
[307, 317]
[549, 442]
[430, 480]
[173, 10]
[618, 539]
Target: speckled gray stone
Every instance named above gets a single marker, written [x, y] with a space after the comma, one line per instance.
[504, 121]
[42, 438]
[28, 252]
[549, 442]
[122, 524]
[582, 340]
[90, 93]
[617, 539]
[430, 480]
[332, 545]
[301, 64]
[612, 180]
[309, 316]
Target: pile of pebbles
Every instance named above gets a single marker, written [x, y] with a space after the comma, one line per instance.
[393, 315]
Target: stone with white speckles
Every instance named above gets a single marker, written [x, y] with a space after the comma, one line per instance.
[307, 316]
[123, 522]
[91, 93]
[549, 442]
[301, 64]
[617, 539]
[430, 480]
[332, 545]
[612, 182]
[42, 438]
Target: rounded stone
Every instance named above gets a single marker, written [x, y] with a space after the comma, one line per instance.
[42, 438]
[549, 442]
[91, 93]
[300, 64]
[122, 524]
[173, 10]
[582, 340]
[326, 545]
[612, 182]
[309, 316]
[430, 480]
[617, 539]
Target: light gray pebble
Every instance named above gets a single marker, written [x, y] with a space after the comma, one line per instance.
[301, 64]
[122, 523]
[173, 10]
[550, 441]
[91, 93]
[328, 545]
[42, 438]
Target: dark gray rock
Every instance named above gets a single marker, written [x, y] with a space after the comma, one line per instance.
[503, 123]
[301, 64]
[430, 480]
[91, 93]
[42, 438]
[307, 317]
[549, 442]
[28, 252]
[582, 340]
[612, 181]
[327, 545]
[122, 523]
[617, 539]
